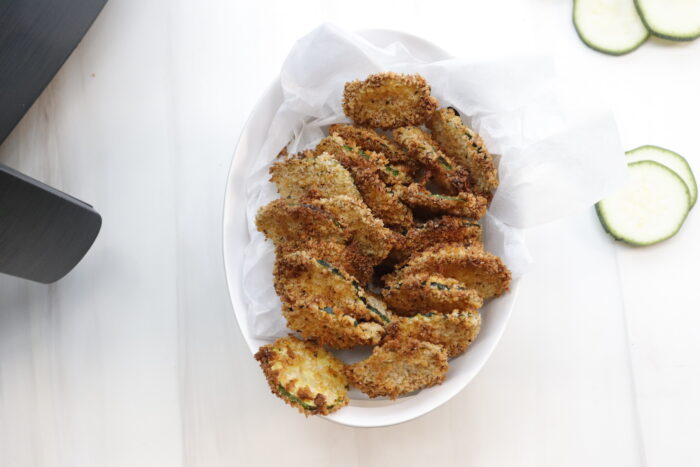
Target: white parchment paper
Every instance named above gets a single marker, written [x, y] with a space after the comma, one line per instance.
[554, 159]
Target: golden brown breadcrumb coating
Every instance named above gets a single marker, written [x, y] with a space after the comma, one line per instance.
[424, 292]
[399, 366]
[290, 222]
[370, 140]
[463, 204]
[454, 331]
[340, 230]
[447, 175]
[304, 375]
[471, 265]
[320, 297]
[321, 176]
[380, 199]
[445, 229]
[466, 147]
[389, 100]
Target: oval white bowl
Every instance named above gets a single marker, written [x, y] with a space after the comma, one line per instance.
[361, 412]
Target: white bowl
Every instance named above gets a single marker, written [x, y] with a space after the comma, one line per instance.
[361, 412]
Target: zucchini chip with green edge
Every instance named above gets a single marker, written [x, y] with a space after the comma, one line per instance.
[454, 331]
[466, 148]
[426, 292]
[446, 229]
[399, 366]
[464, 204]
[326, 304]
[311, 176]
[367, 176]
[304, 375]
[448, 175]
[475, 268]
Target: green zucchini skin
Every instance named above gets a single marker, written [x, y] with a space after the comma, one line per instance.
[661, 35]
[597, 48]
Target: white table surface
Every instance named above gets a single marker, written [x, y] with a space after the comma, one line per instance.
[135, 359]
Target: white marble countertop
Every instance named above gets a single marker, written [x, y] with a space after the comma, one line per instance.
[135, 357]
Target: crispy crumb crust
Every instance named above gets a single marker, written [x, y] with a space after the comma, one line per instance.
[324, 303]
[389, 100]
[340, 230]
[380, 199]
[425, 292]
[304, 375]
[312, 177]
[453, 331]
[447, 174]
[463, 204]
[370, 140]
[466, 147]
[399, 366]
[471, 265]
[445, 229]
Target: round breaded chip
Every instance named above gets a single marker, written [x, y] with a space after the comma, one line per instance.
[465, 147]
[454, 331]
[399, 366]
[463, 204]
[471, 265]
[424, 292]
[311, 176]
[446, 229]
[304, 375]
[389, 100]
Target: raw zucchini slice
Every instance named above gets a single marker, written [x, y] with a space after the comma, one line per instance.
[676, 20]
[649, 209]
[609, 26]
[670, 159]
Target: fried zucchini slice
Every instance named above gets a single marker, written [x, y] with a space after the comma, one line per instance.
[465, 147]
[471, 265]
[320, 299]
[448, 176]
[340, 230]
[304, 375]
[446, 229]
[399, 366]
[389, 100]
[380, 199]
[319, 176]
[453, 331]
[370, 140]
[430, 292]
[325, 326]
[290, 222]
[464, 204]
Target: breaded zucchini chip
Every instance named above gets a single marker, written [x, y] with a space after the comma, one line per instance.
[319, 176]
[304, 375]
[370, 140]
[454, 331]
[389, 100]
[446, 229]
[448, 176]
[290, 222]
[399, 366]
[320, 298]
[464, 204]
[466, 147]
[430, 292]
[340, 230]
[471, 265]
[380, 198]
